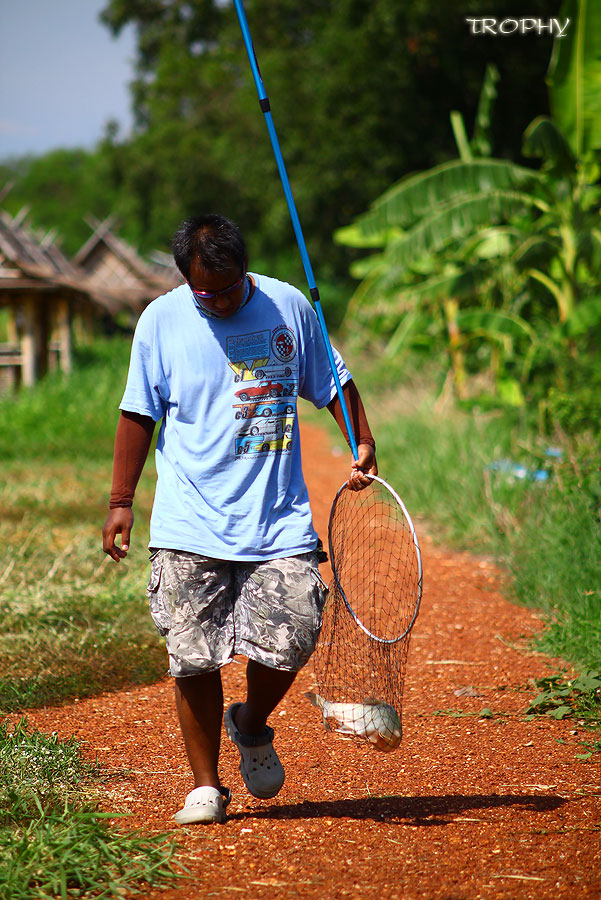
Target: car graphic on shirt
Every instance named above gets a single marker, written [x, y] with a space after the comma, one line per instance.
[279, 426]
[266, 389]
[261, 443]
[264, 408]
[273, 372]
[262, 373]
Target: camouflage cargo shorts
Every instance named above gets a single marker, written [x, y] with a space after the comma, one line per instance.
[209, 610]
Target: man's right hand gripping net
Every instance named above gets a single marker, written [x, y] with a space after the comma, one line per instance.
[373, 602]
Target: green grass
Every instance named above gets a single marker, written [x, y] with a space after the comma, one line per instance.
[73, 622]
[68, 418]
[54, 841]
[548, 534]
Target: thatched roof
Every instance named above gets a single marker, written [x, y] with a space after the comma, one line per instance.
[31, 262]
[117, 269]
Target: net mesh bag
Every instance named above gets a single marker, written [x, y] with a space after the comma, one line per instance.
[374, 596]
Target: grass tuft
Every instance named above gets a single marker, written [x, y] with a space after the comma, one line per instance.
[73, 623]
[53, 841]
[560, 697]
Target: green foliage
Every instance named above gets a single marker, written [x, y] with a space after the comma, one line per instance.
[574, 77]
[574, 404]
[494, 264]
[560, 697]
[341, 77]
[456, 470]
[53, 841]
[60, 189]
[73, 624]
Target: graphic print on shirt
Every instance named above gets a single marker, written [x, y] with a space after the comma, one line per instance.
[266, 363]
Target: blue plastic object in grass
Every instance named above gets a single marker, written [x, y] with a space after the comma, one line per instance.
[517, 471]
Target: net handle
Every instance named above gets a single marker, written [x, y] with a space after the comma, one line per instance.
[409, 521]
[298, 231]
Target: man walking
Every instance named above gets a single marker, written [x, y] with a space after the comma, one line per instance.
[221, 360]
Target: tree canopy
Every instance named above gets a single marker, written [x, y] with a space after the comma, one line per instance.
[360, 91]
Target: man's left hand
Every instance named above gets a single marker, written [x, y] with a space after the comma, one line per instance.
[362, 467]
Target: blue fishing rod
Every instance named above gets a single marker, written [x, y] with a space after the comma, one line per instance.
[313, 289]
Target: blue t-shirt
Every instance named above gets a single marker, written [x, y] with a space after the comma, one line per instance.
[229, 477]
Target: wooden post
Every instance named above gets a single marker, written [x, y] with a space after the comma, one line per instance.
[29, 342]
[14, 373]
[42, 325]
[34, 340]
[63, 335]
[12, 331]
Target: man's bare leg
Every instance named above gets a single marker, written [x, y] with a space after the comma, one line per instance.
[199, 700]
[265, 687]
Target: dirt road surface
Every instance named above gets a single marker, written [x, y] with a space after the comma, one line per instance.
[469, 807]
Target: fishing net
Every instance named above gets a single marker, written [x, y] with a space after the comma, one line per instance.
[374, 598]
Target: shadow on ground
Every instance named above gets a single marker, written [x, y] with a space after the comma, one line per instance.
[406, 810]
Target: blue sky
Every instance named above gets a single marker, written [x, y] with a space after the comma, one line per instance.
[62, 75]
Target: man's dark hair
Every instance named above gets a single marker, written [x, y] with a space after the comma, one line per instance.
[216, 241]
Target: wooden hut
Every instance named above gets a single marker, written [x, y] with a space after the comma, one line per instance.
[43, 293]
[48, 297]
[117, 270]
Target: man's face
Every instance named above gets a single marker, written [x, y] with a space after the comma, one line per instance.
[218, 293]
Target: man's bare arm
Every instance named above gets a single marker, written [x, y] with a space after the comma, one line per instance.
[366, 446]
[132, 443]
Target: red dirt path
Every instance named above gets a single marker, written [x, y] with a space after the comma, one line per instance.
[467, 808]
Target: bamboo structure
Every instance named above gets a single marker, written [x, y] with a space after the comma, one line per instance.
[119, 271]
[51, 300]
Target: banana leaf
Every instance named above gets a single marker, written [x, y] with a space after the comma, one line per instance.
[406, 329]
[481, 143]
[353, 236]
[458, 219]
[461, 139]
[459, 284]
[574, 76]
[415, 196]
[584, 316]
[369, 265]
[493, 322]
[491, 243]
[535, 250]
[510, 391]
[543, 139]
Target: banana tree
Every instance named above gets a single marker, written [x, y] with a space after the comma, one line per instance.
[444, 243]
[482, 240]
[568, 145]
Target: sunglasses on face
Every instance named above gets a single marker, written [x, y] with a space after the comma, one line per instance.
[209, 295]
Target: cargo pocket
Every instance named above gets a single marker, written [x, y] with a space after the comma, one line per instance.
[159, 608]
[321, 591]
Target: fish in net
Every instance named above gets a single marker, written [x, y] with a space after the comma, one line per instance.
[360, 660]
